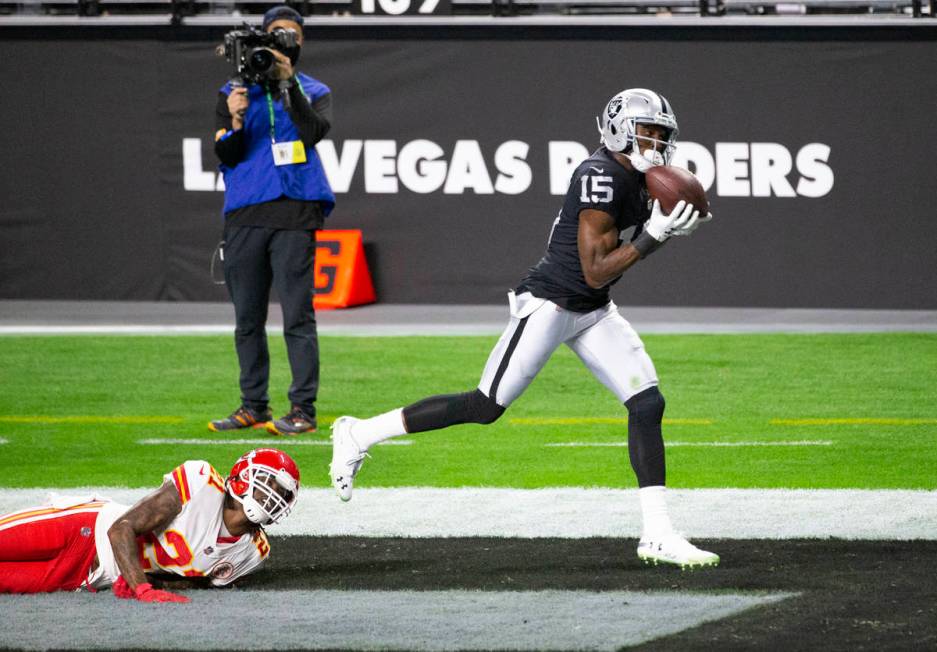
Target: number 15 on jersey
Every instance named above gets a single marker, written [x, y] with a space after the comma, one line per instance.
[596, 189]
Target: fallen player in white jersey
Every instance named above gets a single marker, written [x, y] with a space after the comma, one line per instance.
[197, 525]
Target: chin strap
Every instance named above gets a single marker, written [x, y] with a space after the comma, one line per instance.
[647, 160]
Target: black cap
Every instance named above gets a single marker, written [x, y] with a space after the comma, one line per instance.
[281, 12]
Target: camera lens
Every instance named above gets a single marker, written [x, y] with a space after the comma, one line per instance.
[260, 60]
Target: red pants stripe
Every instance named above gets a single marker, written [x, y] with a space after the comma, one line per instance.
[45, 550]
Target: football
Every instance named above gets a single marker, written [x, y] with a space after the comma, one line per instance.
[668, 185]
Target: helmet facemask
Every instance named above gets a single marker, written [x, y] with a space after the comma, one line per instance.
[266, 494]
[645, 152]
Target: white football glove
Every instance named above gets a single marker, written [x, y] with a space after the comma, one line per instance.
[661, 226]
[692, 224]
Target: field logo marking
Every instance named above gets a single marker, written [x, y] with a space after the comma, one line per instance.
[422, 621]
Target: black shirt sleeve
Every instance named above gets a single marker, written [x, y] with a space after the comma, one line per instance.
[312, 120]
[230, 150]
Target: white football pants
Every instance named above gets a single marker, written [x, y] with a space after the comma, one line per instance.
[603, 340]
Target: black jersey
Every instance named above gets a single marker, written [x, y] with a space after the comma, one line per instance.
[602, 183]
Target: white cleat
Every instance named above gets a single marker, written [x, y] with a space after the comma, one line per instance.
[347, 457]
[673, 548]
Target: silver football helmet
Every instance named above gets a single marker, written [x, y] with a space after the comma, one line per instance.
[632, 107]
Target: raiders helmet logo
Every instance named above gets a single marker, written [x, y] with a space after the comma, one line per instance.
[614, 107]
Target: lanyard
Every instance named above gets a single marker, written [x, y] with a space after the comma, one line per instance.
[273, 135]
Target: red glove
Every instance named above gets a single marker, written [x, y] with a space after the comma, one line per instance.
[146, 593]
[121, 589]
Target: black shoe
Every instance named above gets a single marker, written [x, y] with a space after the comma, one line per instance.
[294, 423]
[241, 418]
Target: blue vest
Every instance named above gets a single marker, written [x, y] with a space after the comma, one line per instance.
[256, 179]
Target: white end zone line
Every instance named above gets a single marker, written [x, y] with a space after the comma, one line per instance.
[257, 442]
[889, 514]
[670, 444]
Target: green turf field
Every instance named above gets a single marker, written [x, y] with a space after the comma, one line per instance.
[72, 410]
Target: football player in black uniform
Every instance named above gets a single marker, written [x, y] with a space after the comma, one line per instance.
[564, 299]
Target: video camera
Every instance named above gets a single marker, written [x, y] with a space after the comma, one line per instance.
[250, 51]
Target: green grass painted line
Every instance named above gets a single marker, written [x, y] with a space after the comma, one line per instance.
[862, 421]
[670, 444]
[90, 419]
[270, 442]
[576, 421]
[521, 421]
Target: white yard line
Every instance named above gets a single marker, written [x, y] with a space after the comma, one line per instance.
[579, 513]
[670, 444]
[269, 441]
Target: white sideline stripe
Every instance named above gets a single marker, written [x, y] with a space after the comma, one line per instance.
[191, 329]
[269, 441]
[890, 514]
[671, 444]
[365, 330]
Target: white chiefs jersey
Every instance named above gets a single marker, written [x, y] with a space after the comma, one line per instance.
[195, 543]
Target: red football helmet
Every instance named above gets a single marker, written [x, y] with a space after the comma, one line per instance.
[266, 483]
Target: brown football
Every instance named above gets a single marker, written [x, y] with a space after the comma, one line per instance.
[668, 185]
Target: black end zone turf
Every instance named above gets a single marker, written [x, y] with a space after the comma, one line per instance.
[855, 594]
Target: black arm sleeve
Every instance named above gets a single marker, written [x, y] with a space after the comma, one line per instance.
[231, 150]
[312, 120]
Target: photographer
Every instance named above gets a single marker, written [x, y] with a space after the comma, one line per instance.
[268, 122]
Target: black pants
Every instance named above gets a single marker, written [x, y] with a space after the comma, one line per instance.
[255, 258]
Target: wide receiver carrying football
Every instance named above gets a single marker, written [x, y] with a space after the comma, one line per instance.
[197, 525]
[564, 299]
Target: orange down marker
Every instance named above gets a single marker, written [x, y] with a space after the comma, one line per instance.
[342, 278]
